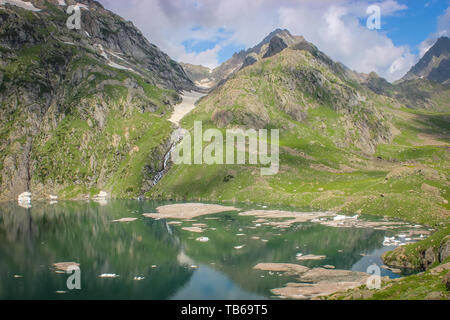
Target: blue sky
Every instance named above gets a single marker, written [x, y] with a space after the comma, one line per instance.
[208, 32]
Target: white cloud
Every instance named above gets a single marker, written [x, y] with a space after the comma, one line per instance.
[333, 25]
[444, 24]
[207, 58]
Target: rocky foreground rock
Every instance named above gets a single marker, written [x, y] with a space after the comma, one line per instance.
[314, 283]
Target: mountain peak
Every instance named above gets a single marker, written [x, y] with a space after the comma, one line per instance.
[434, 65]
[276, 32]
[273, 43]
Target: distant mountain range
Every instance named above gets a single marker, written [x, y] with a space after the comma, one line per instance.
[434, 65]
[208, 78]
[426, 86]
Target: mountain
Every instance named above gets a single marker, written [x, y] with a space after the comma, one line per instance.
[199, 74]
[346, 143]
[82, 110]
[434, 65]
[209, 78]
[426, 86]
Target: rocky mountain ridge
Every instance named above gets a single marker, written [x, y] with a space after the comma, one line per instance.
[273, 43]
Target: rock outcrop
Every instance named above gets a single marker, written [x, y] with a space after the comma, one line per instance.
[251, 59]
[421, 256]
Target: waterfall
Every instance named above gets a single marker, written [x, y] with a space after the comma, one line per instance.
[177, 136]
[182, 109]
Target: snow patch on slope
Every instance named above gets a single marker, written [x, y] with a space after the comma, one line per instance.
[21, 4]
[112, 63]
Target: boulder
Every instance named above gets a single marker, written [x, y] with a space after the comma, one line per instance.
[65, 266]
[429, 258]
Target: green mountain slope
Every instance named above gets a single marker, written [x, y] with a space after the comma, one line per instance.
[81, 110]
[343, 147]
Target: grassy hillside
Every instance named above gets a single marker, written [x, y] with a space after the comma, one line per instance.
[342, 146]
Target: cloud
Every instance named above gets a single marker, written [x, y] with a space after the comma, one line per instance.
[333, 25]
[444, 24]
[338, 32]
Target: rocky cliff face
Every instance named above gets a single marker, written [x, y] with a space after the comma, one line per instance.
[422, 255]
[81, 110]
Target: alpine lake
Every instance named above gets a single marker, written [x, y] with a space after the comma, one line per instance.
[125, 249]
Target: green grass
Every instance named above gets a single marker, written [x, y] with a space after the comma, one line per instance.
[416, 287]
[149, 134]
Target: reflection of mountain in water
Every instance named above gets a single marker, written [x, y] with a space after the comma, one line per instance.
[32, 239]
[342, 247]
